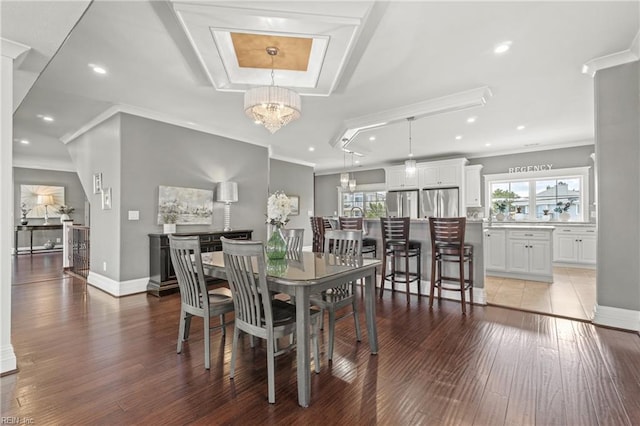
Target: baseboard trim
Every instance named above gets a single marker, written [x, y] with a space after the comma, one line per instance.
[117, 288]
[8, 361]
[608, 316]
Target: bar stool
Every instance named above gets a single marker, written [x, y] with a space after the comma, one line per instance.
[447, 245]
[396, 245]
[317, 231]
[357, 224]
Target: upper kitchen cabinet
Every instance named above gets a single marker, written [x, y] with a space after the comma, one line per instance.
[441, 173]
[398, 179]
[472, 185]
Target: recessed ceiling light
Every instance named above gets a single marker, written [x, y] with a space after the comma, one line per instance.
[372, 138]
[45, 117]
[311, 149]
[22, 141]
[487, 144]
[98, 69]
[472, 119]
[520, 127]
[458, 137]
[357, 161]
[502, 47]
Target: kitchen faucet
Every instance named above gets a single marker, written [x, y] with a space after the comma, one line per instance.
[357, 208]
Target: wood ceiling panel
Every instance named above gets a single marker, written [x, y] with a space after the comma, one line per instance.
[293, 52]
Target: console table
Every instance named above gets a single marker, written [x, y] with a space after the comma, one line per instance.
[162, 277]
[30, 229]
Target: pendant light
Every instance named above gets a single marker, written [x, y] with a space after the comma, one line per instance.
[344, 176]
[352, 181]
[410, 164]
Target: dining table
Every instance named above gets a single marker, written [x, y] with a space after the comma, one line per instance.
[302, 274]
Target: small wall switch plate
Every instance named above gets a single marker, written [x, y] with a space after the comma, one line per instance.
[310, 213]
[134, 215]
[58, 240]
[104, 266]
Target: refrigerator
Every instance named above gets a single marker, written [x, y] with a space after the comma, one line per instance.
[403, 204]
[440, 202]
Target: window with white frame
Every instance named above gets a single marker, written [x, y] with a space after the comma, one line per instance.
[540, 195]
[367, 200]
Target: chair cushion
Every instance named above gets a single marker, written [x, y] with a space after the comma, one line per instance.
[284, 312]
[219, 295]
[453, 249]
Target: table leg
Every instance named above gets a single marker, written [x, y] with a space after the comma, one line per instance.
[370, 308]
[302, 346]
[31, 241]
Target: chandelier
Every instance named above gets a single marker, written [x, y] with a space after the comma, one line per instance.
[272, 106]
[410, 164]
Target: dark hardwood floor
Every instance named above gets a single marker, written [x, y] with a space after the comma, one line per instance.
[85, 357]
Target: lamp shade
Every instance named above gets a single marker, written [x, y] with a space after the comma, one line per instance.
[46, 200]
[227, 192]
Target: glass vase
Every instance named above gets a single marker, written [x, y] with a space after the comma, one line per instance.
[276, 247]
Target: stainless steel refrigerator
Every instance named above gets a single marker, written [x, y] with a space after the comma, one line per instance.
[403, 204]
[440, 202]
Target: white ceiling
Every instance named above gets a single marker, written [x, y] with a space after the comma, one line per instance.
[403, 53]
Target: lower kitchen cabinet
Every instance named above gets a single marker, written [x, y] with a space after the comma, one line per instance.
[575, 246]
[525, 253]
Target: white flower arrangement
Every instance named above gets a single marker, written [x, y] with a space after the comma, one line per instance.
[278, 209]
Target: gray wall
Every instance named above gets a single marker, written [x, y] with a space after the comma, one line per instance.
[617, 157]
[73, 194]
[294, 179]
[99, 151]
[326, 192]
[143, 154]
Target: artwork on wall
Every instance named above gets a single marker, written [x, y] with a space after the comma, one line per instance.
[295, 205]
[106, 198]
[33, 195]
[185, 206]
[97, 183]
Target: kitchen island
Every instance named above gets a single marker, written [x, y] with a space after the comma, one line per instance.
[420, 232]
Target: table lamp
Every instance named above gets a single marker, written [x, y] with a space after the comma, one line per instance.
[227, 194]
[46, 200]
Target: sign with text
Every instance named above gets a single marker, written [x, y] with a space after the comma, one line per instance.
[534, 168]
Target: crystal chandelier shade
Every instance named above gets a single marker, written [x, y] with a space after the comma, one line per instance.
[272, 106]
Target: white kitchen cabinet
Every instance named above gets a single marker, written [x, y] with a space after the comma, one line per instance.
[575, 245]
[529, 254]
[396, 178]
[515, 252]
[472, 185]
[443, 175]
[494, 250]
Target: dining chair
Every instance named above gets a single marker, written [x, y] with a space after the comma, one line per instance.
[357, 223]
[195, 300]
[396, 246]
[256, 313]
[294, 238]
[340, 242]
[448, 245]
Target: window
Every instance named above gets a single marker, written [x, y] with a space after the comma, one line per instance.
[540, 195]
[372, 203]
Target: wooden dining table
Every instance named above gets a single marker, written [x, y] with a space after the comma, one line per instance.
[301, 275]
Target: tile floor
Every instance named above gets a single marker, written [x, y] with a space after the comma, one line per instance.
[571, 295]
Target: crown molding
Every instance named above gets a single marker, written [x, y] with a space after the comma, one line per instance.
[13, 49]
[619, 58]
[290, 160]
[455, 102]
[149, 114]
